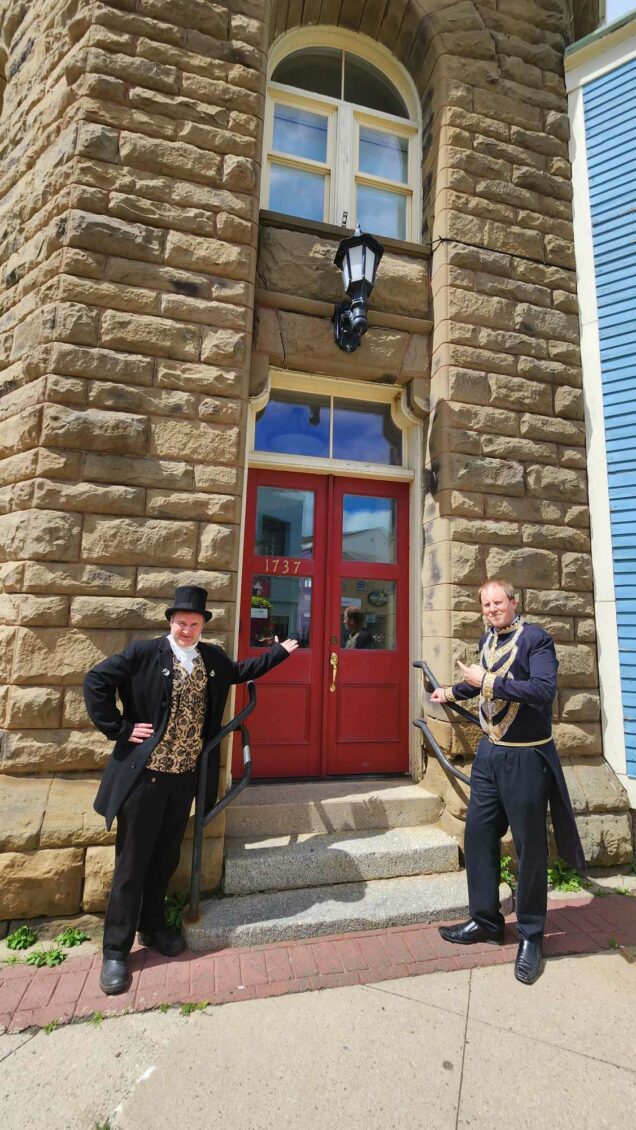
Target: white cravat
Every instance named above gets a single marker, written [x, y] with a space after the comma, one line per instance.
[185, 655]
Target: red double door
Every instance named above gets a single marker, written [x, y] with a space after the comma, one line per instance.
[326, 563]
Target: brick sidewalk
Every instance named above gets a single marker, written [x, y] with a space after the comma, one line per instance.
[32, 997]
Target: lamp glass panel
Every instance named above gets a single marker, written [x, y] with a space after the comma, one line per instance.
[381, 211]
[356, 256]
[384, 154]
[369, 265]
[294, 424]
[366, 433]
[346, 272]
[316, 69]
[300, 133]
[296, 192]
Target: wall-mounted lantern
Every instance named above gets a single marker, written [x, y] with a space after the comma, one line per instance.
[358, 258]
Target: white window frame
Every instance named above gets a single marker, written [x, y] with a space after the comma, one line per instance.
[345, 118]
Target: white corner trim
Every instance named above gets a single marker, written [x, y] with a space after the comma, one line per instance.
[598, 483]
[600, 57]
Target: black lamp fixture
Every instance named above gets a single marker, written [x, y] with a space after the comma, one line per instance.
[358, 258]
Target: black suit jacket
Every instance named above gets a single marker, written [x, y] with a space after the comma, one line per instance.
[142, 676]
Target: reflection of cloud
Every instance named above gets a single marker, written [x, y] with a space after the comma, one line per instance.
[369, 518]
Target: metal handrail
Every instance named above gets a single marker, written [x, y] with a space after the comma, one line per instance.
[421, 725]
[201, 817]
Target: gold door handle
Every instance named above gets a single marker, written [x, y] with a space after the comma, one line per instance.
[333, 659]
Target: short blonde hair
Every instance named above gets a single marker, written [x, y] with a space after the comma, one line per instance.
[502, 584]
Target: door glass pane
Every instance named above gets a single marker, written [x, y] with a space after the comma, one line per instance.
[317, 69]
[281, 606]
[284, 523]
[367, 614]
[381, 212]
[383, 154]
[296, 192]
[368, 528]
[300, 133]
[366, 433]
[293, 424]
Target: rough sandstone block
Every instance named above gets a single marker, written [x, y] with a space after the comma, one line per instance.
[22, 806]
[162, 582]
[86, 496]
[195, 440]
[557, 482]
[491, 476]
[139, 472]
[94, 579]
[218, 546]
[92, 430]
[113, 236]
[606, 839]
[59, 656]
[70, 819]
[33, 611]
[34, 708]
[200, 507]
[577, 665]
[139, 541]
[116, 612]
[200, 378]
[52, 751]
[172, 158]
[40, 535]
[209, 255]
[34, 883]
[527, 566]
[159, 337]
[576, 572]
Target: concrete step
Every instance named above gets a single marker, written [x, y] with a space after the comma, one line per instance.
[292, 862]
[330, 806]
[247, 920]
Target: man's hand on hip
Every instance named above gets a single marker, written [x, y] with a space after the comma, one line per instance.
[141, 731]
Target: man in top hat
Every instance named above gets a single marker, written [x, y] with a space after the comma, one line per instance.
[516, 772]
[172, 692]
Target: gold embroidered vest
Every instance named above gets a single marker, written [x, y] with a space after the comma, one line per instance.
[181, 744]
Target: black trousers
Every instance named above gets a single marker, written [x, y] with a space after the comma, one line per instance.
[510, 786]
[150, 827]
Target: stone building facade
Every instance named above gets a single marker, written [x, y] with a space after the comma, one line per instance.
[147, 294]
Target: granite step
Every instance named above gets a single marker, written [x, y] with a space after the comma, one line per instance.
[330, 806]
[247, 920]
[308, 860]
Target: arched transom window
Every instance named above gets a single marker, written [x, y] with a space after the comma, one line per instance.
[342, 134]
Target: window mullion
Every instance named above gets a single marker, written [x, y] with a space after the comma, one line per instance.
[344, 165]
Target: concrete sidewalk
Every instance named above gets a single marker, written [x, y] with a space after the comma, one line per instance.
[470, 1048]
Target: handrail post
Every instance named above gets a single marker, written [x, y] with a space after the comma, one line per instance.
[201, 817]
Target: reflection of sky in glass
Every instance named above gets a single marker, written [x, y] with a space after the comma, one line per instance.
[368, 528]
[366, 434]
[284, 522]
[380, 212]
[383, 154]
[296, 193]
[300, 133]
[293, 428]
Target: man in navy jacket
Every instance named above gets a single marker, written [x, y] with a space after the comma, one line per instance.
[173, 692]
[515, 773]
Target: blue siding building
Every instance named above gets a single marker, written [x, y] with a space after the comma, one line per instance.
[601, 78]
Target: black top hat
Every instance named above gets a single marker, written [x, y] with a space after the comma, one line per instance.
[190, 598]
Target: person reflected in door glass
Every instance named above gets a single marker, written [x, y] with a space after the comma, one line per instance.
[357, 635]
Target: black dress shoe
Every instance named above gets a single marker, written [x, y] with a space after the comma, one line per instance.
[470, 933]
[115, 976]
[168, 940]
[529, 961]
